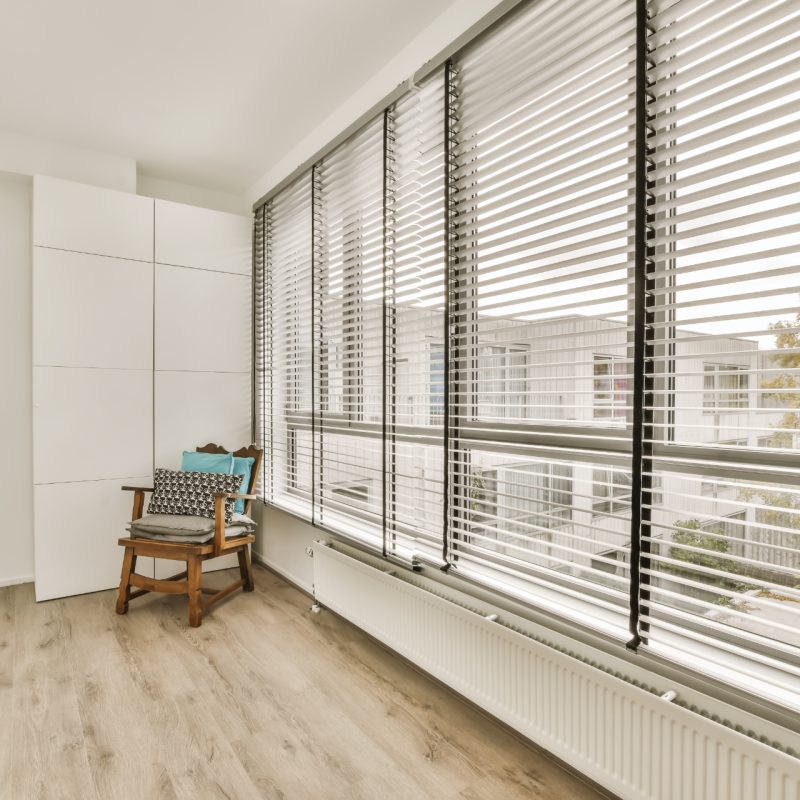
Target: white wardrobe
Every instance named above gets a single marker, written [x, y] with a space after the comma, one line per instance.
[141, 349]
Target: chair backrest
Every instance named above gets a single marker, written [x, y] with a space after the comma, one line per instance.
[251, 451]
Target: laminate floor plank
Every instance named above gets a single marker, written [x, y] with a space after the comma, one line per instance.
[422, 715]
[49, 758]
[265, 700]
[111, 708]
[8, 597]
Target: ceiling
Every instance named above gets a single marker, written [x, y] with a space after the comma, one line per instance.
[204, 92]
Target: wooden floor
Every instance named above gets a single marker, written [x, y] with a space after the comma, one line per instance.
[265, 700]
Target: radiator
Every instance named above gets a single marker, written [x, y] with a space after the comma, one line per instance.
[625, 738]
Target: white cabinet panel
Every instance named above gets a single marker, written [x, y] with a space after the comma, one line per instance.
[194, 408]
[89, 219]
[77, 528]
[202, 320]
[91, 311]
[91, 424]
[198, 237]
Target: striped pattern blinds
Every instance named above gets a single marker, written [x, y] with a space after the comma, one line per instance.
[415, 332]
[286, 379]
[348, 272]
[723, 565]
[543, 148]
[537, 324]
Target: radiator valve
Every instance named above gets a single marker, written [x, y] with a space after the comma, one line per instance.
[316, 608]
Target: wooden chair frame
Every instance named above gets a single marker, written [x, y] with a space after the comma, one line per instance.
[189, 582]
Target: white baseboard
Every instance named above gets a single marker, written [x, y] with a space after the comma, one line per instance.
[15, 581]
[261, 559]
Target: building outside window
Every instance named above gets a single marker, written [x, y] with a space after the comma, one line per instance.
[436, 379]
[725, 386]
[611, 491]
[611, 387]
[522, 498]
[353, 493]
[502, 381]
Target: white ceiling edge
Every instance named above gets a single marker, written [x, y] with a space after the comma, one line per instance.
[163, 189]
[30, 155]
[447, 27]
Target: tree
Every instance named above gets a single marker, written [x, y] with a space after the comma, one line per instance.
[785, 387]
[782, 509]
[690, 533]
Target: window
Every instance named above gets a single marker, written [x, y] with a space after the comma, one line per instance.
[725, 387]
[503, 376]
[541, 198]
[606, 315]
[724, 337]
[514, 508]
[352, 493]
[731, 525]
[436, 378]
[523, 497]
[283, 338]
[348, 320]
[612, 491]
[610, 387]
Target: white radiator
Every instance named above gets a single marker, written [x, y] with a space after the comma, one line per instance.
[625, 738]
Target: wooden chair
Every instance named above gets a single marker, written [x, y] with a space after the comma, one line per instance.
[188, 582]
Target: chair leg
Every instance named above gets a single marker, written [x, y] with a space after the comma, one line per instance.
[194, 568]
[128, 566]
[245, 569]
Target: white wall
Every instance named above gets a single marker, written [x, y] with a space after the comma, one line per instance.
[191, 195]
[16, 466]
[28, 155]
[281, 543]
[451, 24]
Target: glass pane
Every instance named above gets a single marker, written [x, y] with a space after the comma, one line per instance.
[565, 518]
[728, 552]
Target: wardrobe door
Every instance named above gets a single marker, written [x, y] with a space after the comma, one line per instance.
[203, 332]
[92, 379]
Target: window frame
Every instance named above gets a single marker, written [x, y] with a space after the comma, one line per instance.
[543, 438]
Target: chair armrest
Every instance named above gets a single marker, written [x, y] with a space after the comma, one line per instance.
[219, 515]
[138, 499]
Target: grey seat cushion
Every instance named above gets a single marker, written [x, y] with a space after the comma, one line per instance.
[186, 528]
[231, 532]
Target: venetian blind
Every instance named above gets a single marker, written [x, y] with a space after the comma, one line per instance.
[415, 332]
[723, 541]
[286, 377]
[542, 207]
[348, 325]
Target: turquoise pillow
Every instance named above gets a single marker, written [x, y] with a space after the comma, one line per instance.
[243, 467]
[221, 463]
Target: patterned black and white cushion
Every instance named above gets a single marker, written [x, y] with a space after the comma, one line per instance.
[191, 492]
